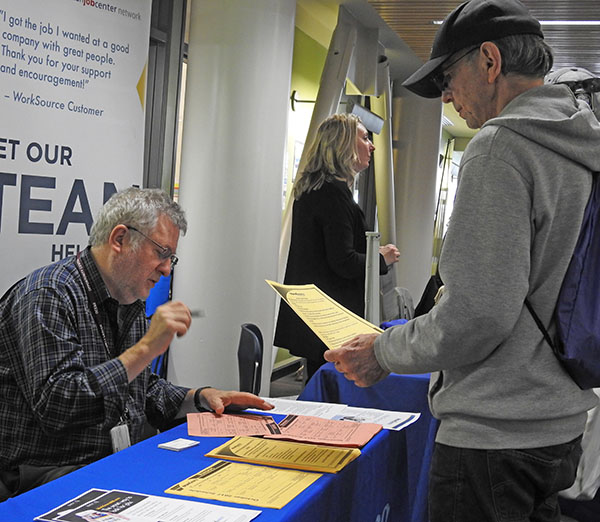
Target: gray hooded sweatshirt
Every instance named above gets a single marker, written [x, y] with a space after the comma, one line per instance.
[524, 183]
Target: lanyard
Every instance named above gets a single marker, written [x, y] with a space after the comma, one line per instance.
[92, 301]
[96, 313]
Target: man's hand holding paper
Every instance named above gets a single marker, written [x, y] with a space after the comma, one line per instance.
[356, 360]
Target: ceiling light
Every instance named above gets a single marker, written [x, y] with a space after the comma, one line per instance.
[570, 22]
[549, 22]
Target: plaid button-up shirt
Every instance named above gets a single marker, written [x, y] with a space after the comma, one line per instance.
[61, 388]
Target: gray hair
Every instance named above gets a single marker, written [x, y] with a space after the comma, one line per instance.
[525, 54]
[332, 155]
[139, 208]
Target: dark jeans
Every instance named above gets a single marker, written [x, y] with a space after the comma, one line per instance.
[468, 485]
[26, 477]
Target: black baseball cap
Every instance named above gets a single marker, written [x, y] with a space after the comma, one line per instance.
[471, 23]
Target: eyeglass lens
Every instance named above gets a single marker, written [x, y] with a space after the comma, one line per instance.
[442, 79]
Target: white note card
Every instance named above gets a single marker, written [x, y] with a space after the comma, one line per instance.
[178, 444]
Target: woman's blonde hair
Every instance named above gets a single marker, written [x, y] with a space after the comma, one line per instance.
[332, 155]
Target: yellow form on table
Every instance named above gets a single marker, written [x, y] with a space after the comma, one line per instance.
[245, 484]
[285, 454]
[329, 320]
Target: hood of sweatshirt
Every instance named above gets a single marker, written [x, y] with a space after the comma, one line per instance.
[551, 116]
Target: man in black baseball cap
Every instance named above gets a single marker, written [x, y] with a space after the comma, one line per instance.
[470, 24]
[511, 417]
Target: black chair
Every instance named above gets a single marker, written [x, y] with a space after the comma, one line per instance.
[250, 356]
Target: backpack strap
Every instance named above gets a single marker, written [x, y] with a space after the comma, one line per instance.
[538, 321]
[540, 325]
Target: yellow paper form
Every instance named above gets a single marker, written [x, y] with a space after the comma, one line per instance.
[330, 321]
[284, 454]
[245, 484]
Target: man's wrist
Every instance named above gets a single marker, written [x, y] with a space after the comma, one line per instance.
[199, 402]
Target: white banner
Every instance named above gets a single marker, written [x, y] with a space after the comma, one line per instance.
[72, 87]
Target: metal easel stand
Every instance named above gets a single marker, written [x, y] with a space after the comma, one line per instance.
[372, 299]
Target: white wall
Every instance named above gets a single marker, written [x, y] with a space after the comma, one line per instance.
[237, 96]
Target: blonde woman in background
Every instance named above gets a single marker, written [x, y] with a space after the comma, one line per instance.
[328, 244]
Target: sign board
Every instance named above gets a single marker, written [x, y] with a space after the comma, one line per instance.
[72, 86]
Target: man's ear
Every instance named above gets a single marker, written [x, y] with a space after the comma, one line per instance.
[492, 60]
[116, 239]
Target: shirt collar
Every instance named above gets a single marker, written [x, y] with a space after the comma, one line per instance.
[99, 290]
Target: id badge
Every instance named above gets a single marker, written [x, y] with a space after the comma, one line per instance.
[119, 437]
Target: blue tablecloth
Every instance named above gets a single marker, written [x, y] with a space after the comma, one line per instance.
[359, 493]
[398, 393]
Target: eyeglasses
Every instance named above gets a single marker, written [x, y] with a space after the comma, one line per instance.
[442, 79]
[164, 252]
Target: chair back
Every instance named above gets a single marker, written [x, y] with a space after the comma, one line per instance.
[250, 356]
